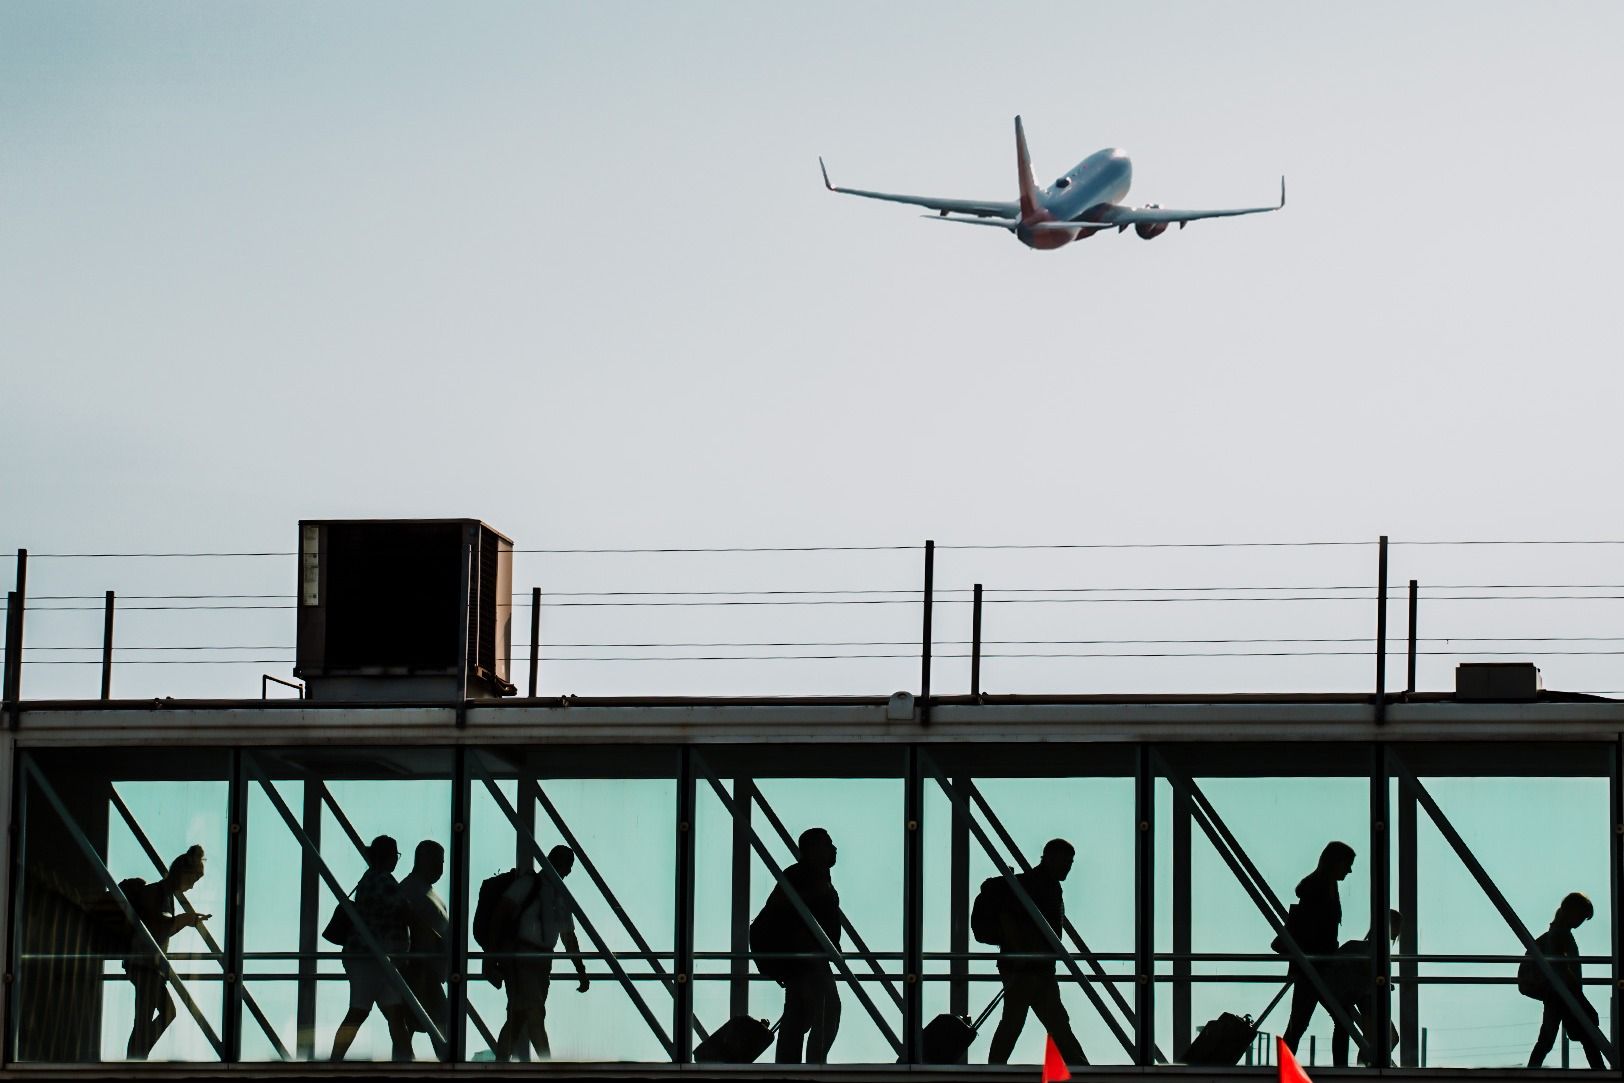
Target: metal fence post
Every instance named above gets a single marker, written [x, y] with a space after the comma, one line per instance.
[1409, 681]
[535, 638]
[925, 639]
[975, 643]
[1381, 631]
[16, 605]
[107, 649]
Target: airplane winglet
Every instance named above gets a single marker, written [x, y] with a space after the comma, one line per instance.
[825, 169]
[1282, 188]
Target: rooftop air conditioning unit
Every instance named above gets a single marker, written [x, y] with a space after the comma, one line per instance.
[1497, 682]
[404, 610]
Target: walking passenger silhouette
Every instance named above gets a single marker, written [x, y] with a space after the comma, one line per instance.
[382, 910]
[154, 904]
[1313, 922]
[1562, 949]
[536, 913]
[811, 998]
[428, 924]
[1030, 983]
[1352, 982]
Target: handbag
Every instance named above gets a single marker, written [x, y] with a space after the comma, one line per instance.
[339, 926]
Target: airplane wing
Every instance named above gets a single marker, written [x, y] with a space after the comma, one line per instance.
[980, 208]
[1127, 216]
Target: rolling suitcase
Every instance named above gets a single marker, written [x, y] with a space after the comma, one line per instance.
[946, 1039]
[1224, 1040]
[739, 1041]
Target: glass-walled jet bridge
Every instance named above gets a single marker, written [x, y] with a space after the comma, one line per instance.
[1193, 820]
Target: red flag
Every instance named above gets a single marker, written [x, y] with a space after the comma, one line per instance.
[1290, 1070]
[1054, 1069]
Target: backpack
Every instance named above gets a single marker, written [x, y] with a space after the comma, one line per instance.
[1531, 981]
[993, 901]
[769, 933]
[491, 890]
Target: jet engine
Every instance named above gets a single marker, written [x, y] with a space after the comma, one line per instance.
[1147, 230]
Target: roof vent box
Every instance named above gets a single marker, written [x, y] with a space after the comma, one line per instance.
[404, 609]
[1497, 682]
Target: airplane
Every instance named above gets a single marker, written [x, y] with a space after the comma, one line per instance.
[1079, 204]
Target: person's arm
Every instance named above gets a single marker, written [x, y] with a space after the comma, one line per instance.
[573, 945]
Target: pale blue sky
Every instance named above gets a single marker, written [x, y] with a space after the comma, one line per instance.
[570, 269]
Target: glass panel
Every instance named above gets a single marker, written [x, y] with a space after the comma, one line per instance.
[106, 835]
[802, 789]
[614, 814]
[378, 822]
[1084, 798]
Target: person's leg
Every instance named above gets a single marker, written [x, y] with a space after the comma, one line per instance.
[1548, 1024]
[1051, 1012]
[1011, 1021]
[400, 1032]
[164, 1017]
[825, 1019]
[345, 1035]
[797, 1020]
[1303, 1002]
[1592, 1052]
[538, 1012]
[139, 1045]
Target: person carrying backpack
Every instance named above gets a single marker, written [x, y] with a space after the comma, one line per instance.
[1313, 923]
[534, 913]
[1562, 950]
[811, 997]
[1030, 983]
[154, 904]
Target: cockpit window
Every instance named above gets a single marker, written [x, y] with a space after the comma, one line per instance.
[1063, 182]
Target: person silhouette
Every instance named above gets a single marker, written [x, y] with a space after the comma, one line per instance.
[1350, 979]
[1313, 923]
[1030, 983]
[539, 912]
[428, 923]
[380, 907]
[811, 998]
[154, 904]
[1562, 949]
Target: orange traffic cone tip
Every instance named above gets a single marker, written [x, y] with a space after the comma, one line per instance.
[1054, 1068]
[1290, 1070]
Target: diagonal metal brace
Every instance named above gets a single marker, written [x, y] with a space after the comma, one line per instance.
[186, 904]
[1066, 926]
[1569, 998]
[357, 922]
[608, 894]
[1268, 904]
[835, 955]
[477, 766]
[150, 942]
[1036, 916]
[845, 922]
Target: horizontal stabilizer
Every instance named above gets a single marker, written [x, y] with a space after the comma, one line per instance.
[1066, 227]
[1002, 223]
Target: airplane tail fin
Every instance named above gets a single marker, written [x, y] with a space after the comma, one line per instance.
[1023, 166]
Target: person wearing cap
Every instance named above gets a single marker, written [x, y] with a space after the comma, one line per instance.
[373, 980]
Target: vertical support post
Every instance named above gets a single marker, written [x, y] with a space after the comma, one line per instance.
[1144, 893]
[465, 634]
[1183, 823]
[1409, 680]
[913, 914]
[958, 875]
[1381, 945]
[535, 638]
[1615, 789]
[458, 916]
[310, 899]
[1409, 971]
[925, 639]
[975, 643]
[236, 894]
[528, 794]
[683, 1024]
[107, 648]
[1381, 631]
[739, 900]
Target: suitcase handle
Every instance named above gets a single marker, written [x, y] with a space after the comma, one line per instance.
[982, 1018]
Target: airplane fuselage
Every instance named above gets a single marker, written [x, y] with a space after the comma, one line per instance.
[1101, 179]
